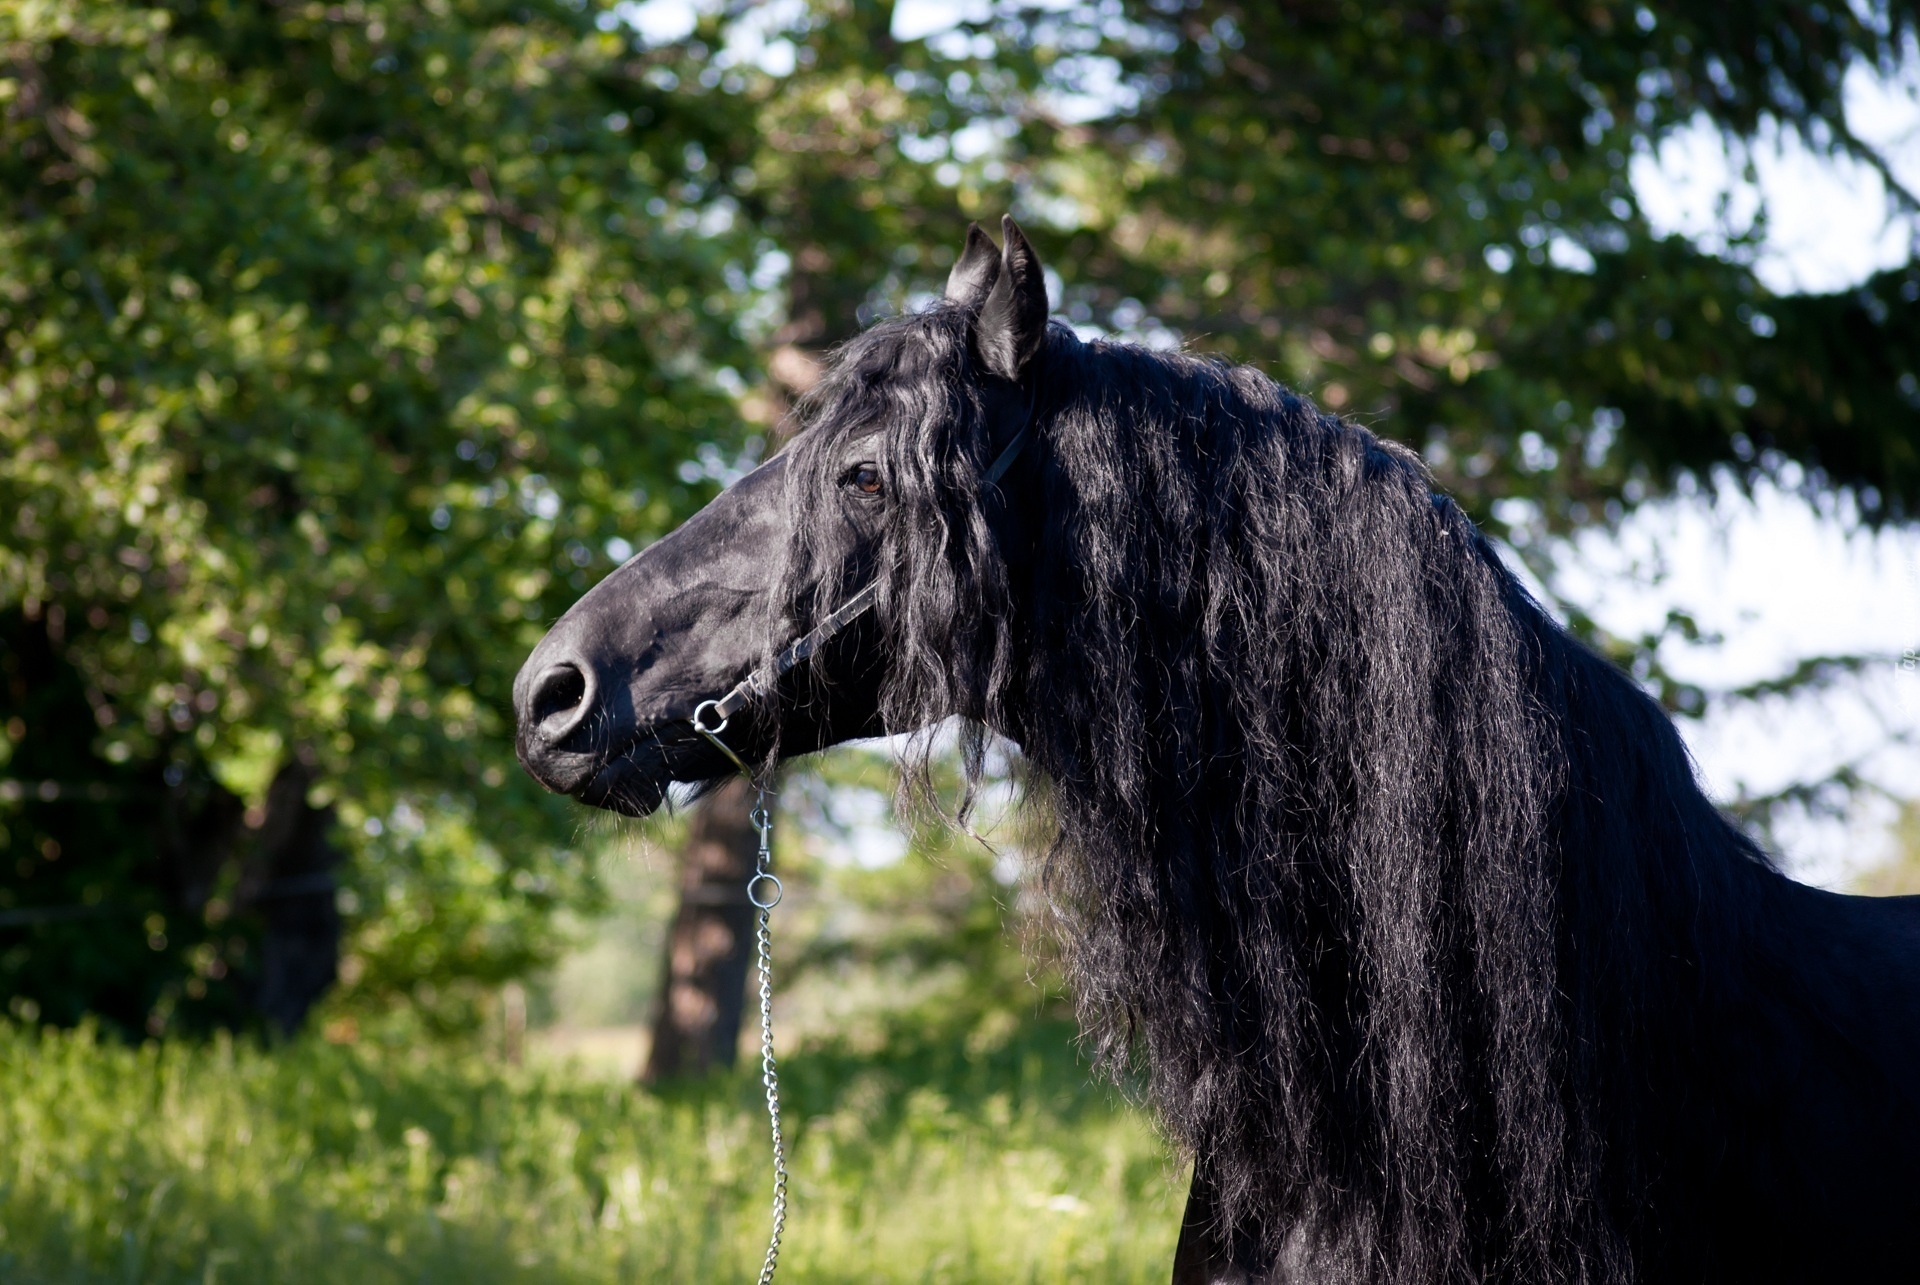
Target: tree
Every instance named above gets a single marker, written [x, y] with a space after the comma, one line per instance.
[110, 854]
[344, 343]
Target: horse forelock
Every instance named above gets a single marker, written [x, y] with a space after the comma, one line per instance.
[1309, 748]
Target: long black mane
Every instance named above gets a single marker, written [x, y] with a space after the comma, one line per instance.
[1361, 859]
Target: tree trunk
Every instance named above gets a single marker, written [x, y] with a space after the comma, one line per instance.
[696, 1024]
[289, 880]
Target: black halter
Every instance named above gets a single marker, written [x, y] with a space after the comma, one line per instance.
[761, 681]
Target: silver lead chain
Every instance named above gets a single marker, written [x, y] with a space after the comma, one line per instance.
[764, 890]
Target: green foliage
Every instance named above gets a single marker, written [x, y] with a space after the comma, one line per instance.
[444, 916]
[340, 342]
[609, 976]
[1421, 216]
[174, 1163]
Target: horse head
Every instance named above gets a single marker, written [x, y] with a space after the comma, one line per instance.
[607, 701]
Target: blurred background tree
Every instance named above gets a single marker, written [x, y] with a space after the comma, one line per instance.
[347, 344]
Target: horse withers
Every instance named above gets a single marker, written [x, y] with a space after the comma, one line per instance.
[1435, 957]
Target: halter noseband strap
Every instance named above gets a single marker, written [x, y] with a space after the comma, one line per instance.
[710, 718]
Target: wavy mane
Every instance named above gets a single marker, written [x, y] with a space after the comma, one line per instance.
[1361, 860]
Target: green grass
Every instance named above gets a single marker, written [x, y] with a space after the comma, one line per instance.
[366, 1165]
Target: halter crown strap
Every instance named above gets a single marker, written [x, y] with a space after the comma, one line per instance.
[998, 469]
[711, 717]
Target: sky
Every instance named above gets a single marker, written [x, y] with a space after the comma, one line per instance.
[1774, 581]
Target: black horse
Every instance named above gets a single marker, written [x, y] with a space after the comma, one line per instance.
[1435, 957]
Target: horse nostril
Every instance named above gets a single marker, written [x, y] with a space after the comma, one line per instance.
[558, 701]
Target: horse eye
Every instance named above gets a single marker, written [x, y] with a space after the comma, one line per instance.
[864, 478]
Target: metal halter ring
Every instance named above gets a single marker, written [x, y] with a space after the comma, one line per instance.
[753, 885]
[712, 735]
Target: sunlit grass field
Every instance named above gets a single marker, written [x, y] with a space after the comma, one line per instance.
[366, 1164]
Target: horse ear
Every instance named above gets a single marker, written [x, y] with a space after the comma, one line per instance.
[975, 271]
[1013, 320]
